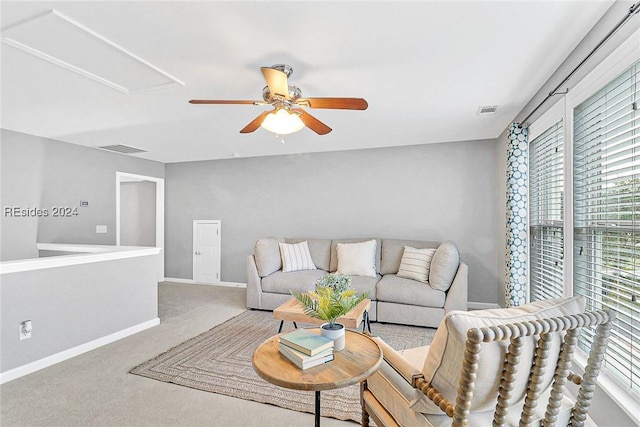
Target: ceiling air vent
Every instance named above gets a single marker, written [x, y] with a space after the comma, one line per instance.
[124, 149]
[487, 109]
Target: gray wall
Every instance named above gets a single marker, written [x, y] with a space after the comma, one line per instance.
[424, 192]
[42, 173]
[20, 185]
[73, 305]
[138, 213]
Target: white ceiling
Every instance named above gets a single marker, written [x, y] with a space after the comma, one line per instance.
[424, 67]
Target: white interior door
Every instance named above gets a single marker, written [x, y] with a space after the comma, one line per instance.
[206, 251]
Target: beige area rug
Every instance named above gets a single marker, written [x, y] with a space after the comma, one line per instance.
[219, 361]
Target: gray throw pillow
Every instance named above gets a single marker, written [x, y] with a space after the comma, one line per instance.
[444, 266]
[267, 254]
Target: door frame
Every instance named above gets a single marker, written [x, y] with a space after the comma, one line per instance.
[193, 244]
[128, 177]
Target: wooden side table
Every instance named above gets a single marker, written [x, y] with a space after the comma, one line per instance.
[293, 311]
[359, 360]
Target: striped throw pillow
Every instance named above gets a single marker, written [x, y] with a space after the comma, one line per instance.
[296, 257]
[415, 264]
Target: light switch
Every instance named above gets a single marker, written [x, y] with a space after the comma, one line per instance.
[101, 228]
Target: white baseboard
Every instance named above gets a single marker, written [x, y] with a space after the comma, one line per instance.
[193, 282]
[29, 368]
[474, 305]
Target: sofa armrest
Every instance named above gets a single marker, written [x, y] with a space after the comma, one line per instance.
[254, 286]
[457, 295]
[399, 363]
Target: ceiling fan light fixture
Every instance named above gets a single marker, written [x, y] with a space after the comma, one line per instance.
[282, 122]
[288, 115]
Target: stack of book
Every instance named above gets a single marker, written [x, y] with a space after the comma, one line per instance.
[306, 349]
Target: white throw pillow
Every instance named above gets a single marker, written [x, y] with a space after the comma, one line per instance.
[357, 259]
[296, 256]
[443, 363]
[415, 264]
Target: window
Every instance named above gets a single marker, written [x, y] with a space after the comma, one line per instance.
[606, 214]
[546, 188]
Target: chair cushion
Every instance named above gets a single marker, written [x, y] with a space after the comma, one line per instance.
[415, 264]
[444, 266]
[267, 255]
[392, 288]
[295, 257]
[444, 361]
[415, 356]
[357, 259]
[395, 395]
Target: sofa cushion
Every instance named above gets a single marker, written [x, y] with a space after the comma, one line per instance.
[333, 265]
[357, 259]
[295, 281]
[415, 264]
[444, 265]
[444, 361]
[392, 288]
[320, 250]
[295, 257]
[392, 250]
[267, 255]
[364, 284]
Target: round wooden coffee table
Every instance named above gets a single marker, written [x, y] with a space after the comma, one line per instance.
[359, 359]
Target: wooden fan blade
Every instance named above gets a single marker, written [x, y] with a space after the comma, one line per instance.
[222, 101]
[312, 123]
[277, 81]
[255, 123]
[335, 103]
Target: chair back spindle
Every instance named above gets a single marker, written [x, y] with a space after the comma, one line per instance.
[568, 328]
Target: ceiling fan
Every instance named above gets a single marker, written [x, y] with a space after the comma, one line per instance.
[288, 114]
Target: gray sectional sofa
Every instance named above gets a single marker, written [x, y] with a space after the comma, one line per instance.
[394, 299]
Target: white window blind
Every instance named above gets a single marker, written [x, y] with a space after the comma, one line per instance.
[546, 206]
[607, 216]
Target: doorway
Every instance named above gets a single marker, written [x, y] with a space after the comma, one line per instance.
[140, 212]
[206, 251]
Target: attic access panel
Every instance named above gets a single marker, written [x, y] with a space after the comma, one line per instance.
[62, 41]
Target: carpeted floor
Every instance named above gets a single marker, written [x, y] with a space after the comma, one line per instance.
[219, 361]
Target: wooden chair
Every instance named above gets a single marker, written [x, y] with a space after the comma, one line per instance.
[530, 358]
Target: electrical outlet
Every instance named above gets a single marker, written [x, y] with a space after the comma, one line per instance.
[25, 330]
[101, 229]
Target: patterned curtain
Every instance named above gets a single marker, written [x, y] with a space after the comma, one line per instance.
[517, 192]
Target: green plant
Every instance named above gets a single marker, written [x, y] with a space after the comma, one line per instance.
[338, 282]
[333, 297]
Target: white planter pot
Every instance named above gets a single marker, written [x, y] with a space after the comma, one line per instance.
[337, 335]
